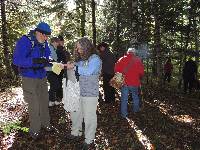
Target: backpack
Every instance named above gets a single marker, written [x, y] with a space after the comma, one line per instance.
[16, 69]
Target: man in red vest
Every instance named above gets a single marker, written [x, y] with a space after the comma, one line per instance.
[132, 68]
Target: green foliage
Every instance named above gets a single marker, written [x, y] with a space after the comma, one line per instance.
[61, 120]
[13, 126]
[117, 22]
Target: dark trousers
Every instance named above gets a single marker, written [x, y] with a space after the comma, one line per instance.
[188, 84]
[60, 89]
[167, 77]
[54, 86]
[109, 91]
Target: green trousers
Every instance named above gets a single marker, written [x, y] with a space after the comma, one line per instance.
[36, 95]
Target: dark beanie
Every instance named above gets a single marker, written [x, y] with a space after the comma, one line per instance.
[54, 39]
[60, 37]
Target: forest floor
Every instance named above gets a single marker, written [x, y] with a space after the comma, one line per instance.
[168, 120]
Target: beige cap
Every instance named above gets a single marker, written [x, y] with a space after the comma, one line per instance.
[131, 50]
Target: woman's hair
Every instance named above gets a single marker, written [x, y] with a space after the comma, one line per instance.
[87, 47]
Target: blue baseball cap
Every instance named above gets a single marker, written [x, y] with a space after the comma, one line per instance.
[44, 28]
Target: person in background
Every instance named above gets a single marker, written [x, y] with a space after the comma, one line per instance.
[53, 78]
[88, 65]
[63, 57]
[108, 63]
[32, 60]
[168, 67]
[134, 72]
[189, 75]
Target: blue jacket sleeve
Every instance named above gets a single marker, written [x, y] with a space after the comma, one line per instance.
[92, 67]
[23, 47]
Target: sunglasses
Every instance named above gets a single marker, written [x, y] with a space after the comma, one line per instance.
[46, 36]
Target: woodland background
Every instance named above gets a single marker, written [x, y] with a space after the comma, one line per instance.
[170, 28]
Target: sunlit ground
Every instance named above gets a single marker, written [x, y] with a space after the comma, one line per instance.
[183, 118]
[14, 101]
[139, 134]
[8, 141]
[101, 134]
[9, 103]
[11, 111]
[141, 137]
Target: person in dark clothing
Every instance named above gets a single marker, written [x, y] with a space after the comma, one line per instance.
[168, 67]
[63, 57]
[51, 76]
[62, 53]
[108, 63]
[189, 75]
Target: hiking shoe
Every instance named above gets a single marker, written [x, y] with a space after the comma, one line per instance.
[72, 137]
[49, 128]
[51, 103]
[57, 103]
[86, 146]
[122, 116]
[34, 135]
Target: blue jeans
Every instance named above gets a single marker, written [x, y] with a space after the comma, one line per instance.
[124, 99]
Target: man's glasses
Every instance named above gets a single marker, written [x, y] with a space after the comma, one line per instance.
[46, 36]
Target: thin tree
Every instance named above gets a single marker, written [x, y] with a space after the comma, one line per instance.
[5, 38]
[93, 4]
[81, 11]
[157, 43]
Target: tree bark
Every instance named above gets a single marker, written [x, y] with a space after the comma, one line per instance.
[93, 4]
[83, 7]
[4, 38]
[158, 49]
[196, 35]
[118, 25]
[134, 23]
[81, 11]
[157, 44]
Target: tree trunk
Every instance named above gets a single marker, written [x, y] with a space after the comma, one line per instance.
[133, 23]
[196, 43]
[93, 4]
[196, 35]
[181, 52]
[157, 44]
[189, 27]
[83, 7]
[157, 40]
[5, 38]
[81, 11]
[118, 21]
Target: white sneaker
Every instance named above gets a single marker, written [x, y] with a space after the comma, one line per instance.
[57, 103]
[51, 103]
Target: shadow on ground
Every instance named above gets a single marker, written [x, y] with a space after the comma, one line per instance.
[166, 121]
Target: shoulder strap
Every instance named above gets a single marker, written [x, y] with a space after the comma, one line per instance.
[32, 44]
[129, 65]
[31, 40]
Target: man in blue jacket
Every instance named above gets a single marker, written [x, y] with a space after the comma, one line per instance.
[31, 55]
